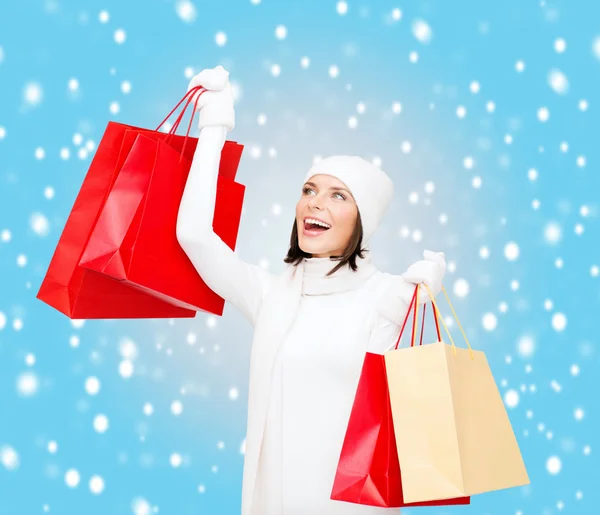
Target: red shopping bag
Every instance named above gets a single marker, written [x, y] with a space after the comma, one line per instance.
[368, 470]
[134, 240]
[84, 294]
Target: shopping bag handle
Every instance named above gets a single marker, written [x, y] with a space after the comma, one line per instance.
[412, 301]
[437, 326]
[187, 134]
[455, 317]
[413, 306]
[188, 94]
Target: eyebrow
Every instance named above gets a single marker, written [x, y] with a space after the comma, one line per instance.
[334, 188]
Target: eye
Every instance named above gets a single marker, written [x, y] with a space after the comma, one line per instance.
[306, 189]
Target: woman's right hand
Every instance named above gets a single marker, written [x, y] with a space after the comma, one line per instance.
[216, 104]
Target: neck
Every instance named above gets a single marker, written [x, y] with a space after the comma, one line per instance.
[317, 282]
[316, 256]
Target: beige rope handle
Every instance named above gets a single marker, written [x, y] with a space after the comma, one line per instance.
[456, 318]
[444, 323]
[416, 316]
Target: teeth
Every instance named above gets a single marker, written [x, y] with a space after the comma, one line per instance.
[313, 221]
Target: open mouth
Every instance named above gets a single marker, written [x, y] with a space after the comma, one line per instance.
[315, 227]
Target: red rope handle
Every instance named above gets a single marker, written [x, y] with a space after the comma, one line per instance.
[180, 117]
[406, 317]
[437, 324]
[189, 96]
[413, 307]
[190, 92]
[187, 134]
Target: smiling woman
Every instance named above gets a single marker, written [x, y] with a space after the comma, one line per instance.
[327, 224]
[304, 366]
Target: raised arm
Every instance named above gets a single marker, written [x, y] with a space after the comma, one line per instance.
[238, 282]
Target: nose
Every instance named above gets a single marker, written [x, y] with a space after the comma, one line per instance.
[313, 203]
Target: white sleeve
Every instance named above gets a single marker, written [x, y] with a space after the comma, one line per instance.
[390, 310]
[393, 303]
[236, 281]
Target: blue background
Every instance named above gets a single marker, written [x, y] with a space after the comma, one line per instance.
[513, 309]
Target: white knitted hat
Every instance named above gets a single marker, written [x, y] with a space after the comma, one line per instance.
[370, 186]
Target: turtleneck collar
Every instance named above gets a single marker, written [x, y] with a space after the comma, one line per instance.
[315, 281]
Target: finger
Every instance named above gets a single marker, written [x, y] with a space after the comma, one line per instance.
[194, 98]
[421, 272]
[415, 278]
[205, 97]
[197, 88]
[192, 84]
[424, 293]
[215, 79]
[222, 73]
[437, 257]
[196, 81]
[209, 80]
[431, 255]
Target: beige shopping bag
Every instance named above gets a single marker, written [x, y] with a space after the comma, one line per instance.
[453, 434]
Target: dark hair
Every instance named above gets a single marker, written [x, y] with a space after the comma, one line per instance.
[351, 252]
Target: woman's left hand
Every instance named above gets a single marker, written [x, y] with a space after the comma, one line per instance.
[430, 271]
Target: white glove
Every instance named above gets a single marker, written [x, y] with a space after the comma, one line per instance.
[216, 104]
[430, 271]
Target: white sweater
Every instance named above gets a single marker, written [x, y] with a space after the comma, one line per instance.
[317, 367]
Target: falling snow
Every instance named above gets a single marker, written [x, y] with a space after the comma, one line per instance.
[186, 10]
[493, 163]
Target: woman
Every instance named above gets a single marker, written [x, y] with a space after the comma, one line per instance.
[312, 323]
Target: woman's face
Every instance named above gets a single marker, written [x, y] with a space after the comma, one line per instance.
[328, 199]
